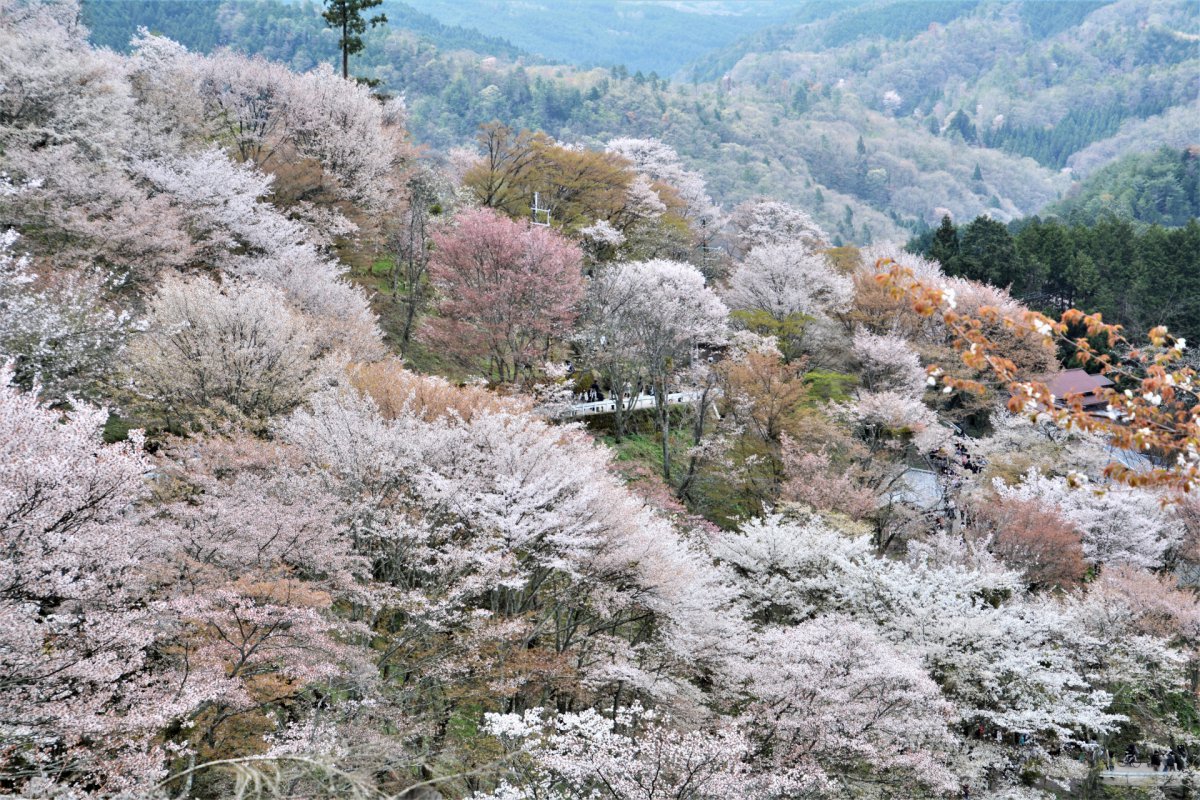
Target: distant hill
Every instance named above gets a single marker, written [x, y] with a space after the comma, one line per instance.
[644, 35]
[202, 25]
[877, 117]
[1159, 188]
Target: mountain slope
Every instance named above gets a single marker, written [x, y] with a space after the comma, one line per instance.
[202, 25]
[644, 36]
[879, 118]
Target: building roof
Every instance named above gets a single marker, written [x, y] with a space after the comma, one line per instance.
[1078, 381]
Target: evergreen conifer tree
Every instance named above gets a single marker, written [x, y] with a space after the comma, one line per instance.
[346, 16]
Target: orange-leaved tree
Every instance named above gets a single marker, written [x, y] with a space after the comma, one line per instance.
[1153, 410]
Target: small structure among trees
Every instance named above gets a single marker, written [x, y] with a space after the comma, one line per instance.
[1079, 382]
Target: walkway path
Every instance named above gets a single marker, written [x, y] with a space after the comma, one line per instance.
[1144, 776]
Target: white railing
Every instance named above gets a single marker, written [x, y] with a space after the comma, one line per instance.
[637, 403]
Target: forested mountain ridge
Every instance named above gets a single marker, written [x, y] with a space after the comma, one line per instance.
[268, 27]
[1158, 188]
[818, 127]
[1037, 79]
[646, 36]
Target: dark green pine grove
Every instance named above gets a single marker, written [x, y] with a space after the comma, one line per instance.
[1138, 276]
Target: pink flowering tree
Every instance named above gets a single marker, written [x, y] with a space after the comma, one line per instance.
[250, 556]
[61, 333]
[644, 322]
[836, 708]
[508, 290]
[78, 700]
[764, 222]
[237, 351]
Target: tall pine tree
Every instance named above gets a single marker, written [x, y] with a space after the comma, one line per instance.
[944, 248]
[346, 16]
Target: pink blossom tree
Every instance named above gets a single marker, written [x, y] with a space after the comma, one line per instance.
[79, 702]
[61, 333]
[762, 222]
[785, 279]
[250, 558]
[508, 290]
[1119, 525]
[837, 707]
[634, 754]
[644, 320]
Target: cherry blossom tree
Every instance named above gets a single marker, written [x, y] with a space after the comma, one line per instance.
[510, 535]
[764, 222]
[1031, 537]
[634, 754]
[837, 707]
[79, 702]
[659, 162]
[58, 89]
[276, 118]
[236, 350]
[888, 363]
[1119, 525]
[888, 418]
[813, 479]
[62, 336]
[507, 290]
[643, 321]
[785, 279]
[234, 227]
[250, 555]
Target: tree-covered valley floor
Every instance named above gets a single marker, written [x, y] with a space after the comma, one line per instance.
[289, 508]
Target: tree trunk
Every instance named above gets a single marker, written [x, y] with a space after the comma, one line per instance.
[697, 437]
[664, 425]
[345, 46]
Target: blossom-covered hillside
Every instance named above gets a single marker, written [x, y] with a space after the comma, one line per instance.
[333, 466]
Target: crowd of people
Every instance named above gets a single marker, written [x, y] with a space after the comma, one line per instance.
[1171, 759]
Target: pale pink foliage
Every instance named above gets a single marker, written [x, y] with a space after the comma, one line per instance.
[645, 315]
[252, 559]
[840, 706]
[813, 479]
[888, 363]
[659, 162]
[1120, 525]
[1134, 628]
[635, 755]
[101, 213]
[62, 336]
[506, 288]
[274, 115]
[490, 507]
[75, 624]
[233, 226]
[755, 223]
[58, 90]
[787, 278]
[234, 349]
[882, 415]
[943, 607]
